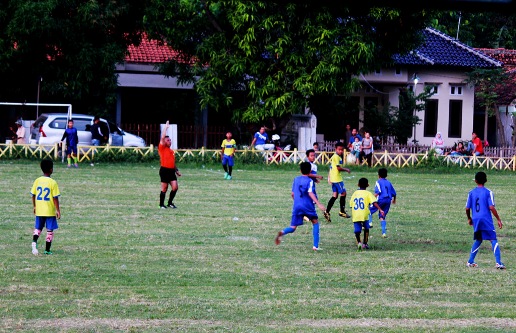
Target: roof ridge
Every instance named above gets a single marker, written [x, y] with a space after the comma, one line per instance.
[464, 46]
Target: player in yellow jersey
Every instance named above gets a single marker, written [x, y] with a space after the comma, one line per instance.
[359, 203]
[227, 155]
[336, 182]
[45, 200]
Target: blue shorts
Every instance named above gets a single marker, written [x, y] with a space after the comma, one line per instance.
[297, 219]
[384, 205]
[338, 187]
[228, 160]
[49, 222]
[70, 149]
[484, 235]
[358, 226]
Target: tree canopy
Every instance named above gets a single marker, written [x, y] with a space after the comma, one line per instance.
[278, 54]
[72, 45]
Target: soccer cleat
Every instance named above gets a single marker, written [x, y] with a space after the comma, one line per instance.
[226, 175]
[344, 215]
[384, 235]
[277, 240]
[229, 177]
[359, 245]
[370, 225]
[327, 217]
[69, 166]
[474, 264]
[48, 252]
[35, 248]
[162, 207]
[316, 248]
[171, 205]
[76, 165]
[500, 266]
[365, 246]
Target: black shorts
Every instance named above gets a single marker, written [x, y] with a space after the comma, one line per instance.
[167, 175]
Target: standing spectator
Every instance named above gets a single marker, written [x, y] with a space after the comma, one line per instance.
[475, 146]
[227, 155]
[304, 199]
[45, 202]
[336, 182]
[366, 150]
[20, 133]
[354, 134]
[438, 143]
[315, 147]
[360, 202]
[348, 135]
[481, 201]
[98, 135]
[260, 140]
[72, 139]
[168, 171]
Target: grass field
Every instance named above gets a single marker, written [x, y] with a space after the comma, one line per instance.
[122, 265]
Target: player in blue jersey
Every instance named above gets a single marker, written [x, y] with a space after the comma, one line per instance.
[481, 202]
[45, 202]
[72, 139]
[386, 194]
[304, 199]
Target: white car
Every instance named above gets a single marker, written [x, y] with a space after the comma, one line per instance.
[48, 129]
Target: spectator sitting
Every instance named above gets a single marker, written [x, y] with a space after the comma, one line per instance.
[459, 150]
[438, 144]
[356, 148]
[260, 140]
[475, 146]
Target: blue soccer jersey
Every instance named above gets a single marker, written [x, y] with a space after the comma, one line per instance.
[303, 204]
[479, 201]
[72, 139]
[384, 190]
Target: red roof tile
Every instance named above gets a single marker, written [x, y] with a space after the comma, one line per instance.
[150, 51]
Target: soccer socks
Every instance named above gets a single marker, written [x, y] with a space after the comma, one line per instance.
[315, 233]
[49, 239]
[384, 226]
[171, 197]
[288, 230]
[357, 236]
[69, 160]
[496, 251]
[162, 198]
[474, 250]
[366, 236]
[343, 204]
[225, 167]
[230, 170]
[330, 204]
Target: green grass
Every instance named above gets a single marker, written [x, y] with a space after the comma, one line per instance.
[122, 265]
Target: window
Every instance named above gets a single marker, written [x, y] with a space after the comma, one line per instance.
[431, 109]
[455, 119]
[434, 89]
[397, 71]
[455, 90]
[59, 123]
[378, 72]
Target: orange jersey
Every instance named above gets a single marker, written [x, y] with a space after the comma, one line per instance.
[167, 157]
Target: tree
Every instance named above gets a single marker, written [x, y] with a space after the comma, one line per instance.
[486, 83]
[279, 54]
[73, 45]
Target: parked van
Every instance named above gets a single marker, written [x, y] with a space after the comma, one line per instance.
[48, 129]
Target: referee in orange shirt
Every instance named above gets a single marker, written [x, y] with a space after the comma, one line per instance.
[168, 171]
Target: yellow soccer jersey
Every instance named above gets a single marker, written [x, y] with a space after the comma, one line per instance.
[336, 161]
[45, 189]
[229, 146]
[359, 203]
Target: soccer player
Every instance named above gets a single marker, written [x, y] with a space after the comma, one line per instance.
[360, 202]
[227, 155]
[336, 182]
[72, 139]
[168, 171]
[386, 194]
[481, 201]
[45, 202]
[304, 199]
